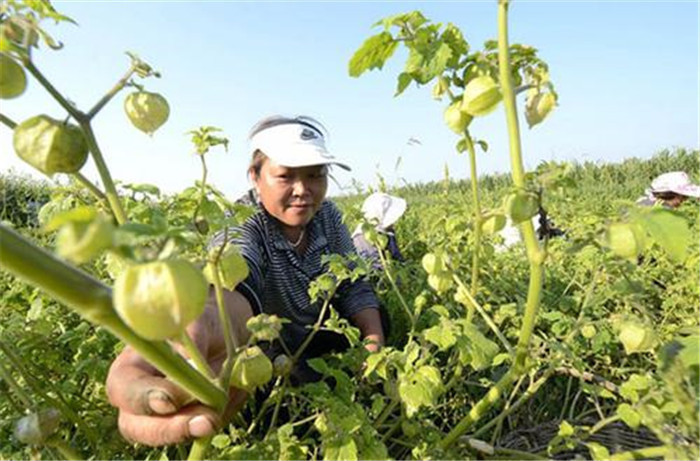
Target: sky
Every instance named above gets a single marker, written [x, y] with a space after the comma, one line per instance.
[626, 74]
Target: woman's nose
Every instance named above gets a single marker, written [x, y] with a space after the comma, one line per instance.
[299, 187]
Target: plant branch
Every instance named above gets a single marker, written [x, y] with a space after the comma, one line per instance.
[8, 122]
[111, 93]
[93, 300]
[70, 108]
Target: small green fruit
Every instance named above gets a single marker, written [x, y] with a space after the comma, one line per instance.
[50, 146]
[481, 96]
[13, 80]
[456, 119]
[282, 365]
[636, 337]
[80, 241]
[521, 206]
[538, 107]
[493, 223]
[146, 111]
[159, 299]
[251, 369]
[623, 240]
[232, 268]
[35, 428]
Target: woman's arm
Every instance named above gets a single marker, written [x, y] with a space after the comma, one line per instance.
[370, 324]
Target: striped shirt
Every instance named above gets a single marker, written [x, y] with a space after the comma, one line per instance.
[279, 277]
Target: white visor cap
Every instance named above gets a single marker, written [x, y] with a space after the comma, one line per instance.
[294, 145]
[383, 208]
[677, 182]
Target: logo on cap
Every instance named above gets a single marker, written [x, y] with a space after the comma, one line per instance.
[307, 134]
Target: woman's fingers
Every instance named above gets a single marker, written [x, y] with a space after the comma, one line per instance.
[193, 421]
[134, 386]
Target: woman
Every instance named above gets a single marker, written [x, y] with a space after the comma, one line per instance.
[283, 244]
[383, 210]
[670, 190]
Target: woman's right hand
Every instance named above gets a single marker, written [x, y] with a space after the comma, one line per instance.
[153, 410]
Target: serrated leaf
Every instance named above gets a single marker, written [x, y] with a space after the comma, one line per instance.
[373, 53]
[420, 388]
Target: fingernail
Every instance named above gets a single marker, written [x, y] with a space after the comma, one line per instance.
[160, 402]
[200, 426]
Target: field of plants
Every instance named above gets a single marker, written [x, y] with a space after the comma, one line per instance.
[581, 345]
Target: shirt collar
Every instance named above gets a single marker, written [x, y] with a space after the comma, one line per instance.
[314, 233]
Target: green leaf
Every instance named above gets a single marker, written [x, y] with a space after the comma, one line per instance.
[340, 449]
[598, 451]
[481, 350]
[420, 388]
[83, 214]
[373, 53]
[441, 335]
[690, 354]
[670, 231]
[636, 337]
[565, 429]
[629, 416]
[404, 80]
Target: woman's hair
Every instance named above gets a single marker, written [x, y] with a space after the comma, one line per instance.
[259, 157]
[666, 195]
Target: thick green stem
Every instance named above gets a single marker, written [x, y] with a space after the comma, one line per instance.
[110, 190]
[229, 336]
[477, 221]
[529, 393]
[535, 254]
[93, 300]
[196, 356]
[493, 396]
[199, 449]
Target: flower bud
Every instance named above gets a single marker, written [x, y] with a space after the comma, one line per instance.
[50, 146]
[538, 106]
[282, 365]
[159, 299]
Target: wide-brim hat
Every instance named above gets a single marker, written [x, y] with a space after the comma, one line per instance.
[294, 144]
[383, 208]
[677, 182]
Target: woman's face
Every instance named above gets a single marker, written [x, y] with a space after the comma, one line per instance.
[292, 195]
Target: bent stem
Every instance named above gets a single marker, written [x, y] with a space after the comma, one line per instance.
[535, 254]
[92, 299]
[395, 287]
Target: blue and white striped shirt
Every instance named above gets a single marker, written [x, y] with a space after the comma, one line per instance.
[279, 277]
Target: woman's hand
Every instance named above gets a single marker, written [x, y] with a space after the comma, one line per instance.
[155, 411]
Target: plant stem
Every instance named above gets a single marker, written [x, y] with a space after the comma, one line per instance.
[93, 300]
[111, 93]
[487, 318]
[8, 122]
[535, 254]
[229, 336]
[642, 453]
[477, 220]
[529, 392]
[199, 449]
[314, 329]
[72, 110]
[110, 190]
[85, 182]
[65, 449]
[15, 387]
[479, 409]
[395, 287]
[196, 356]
